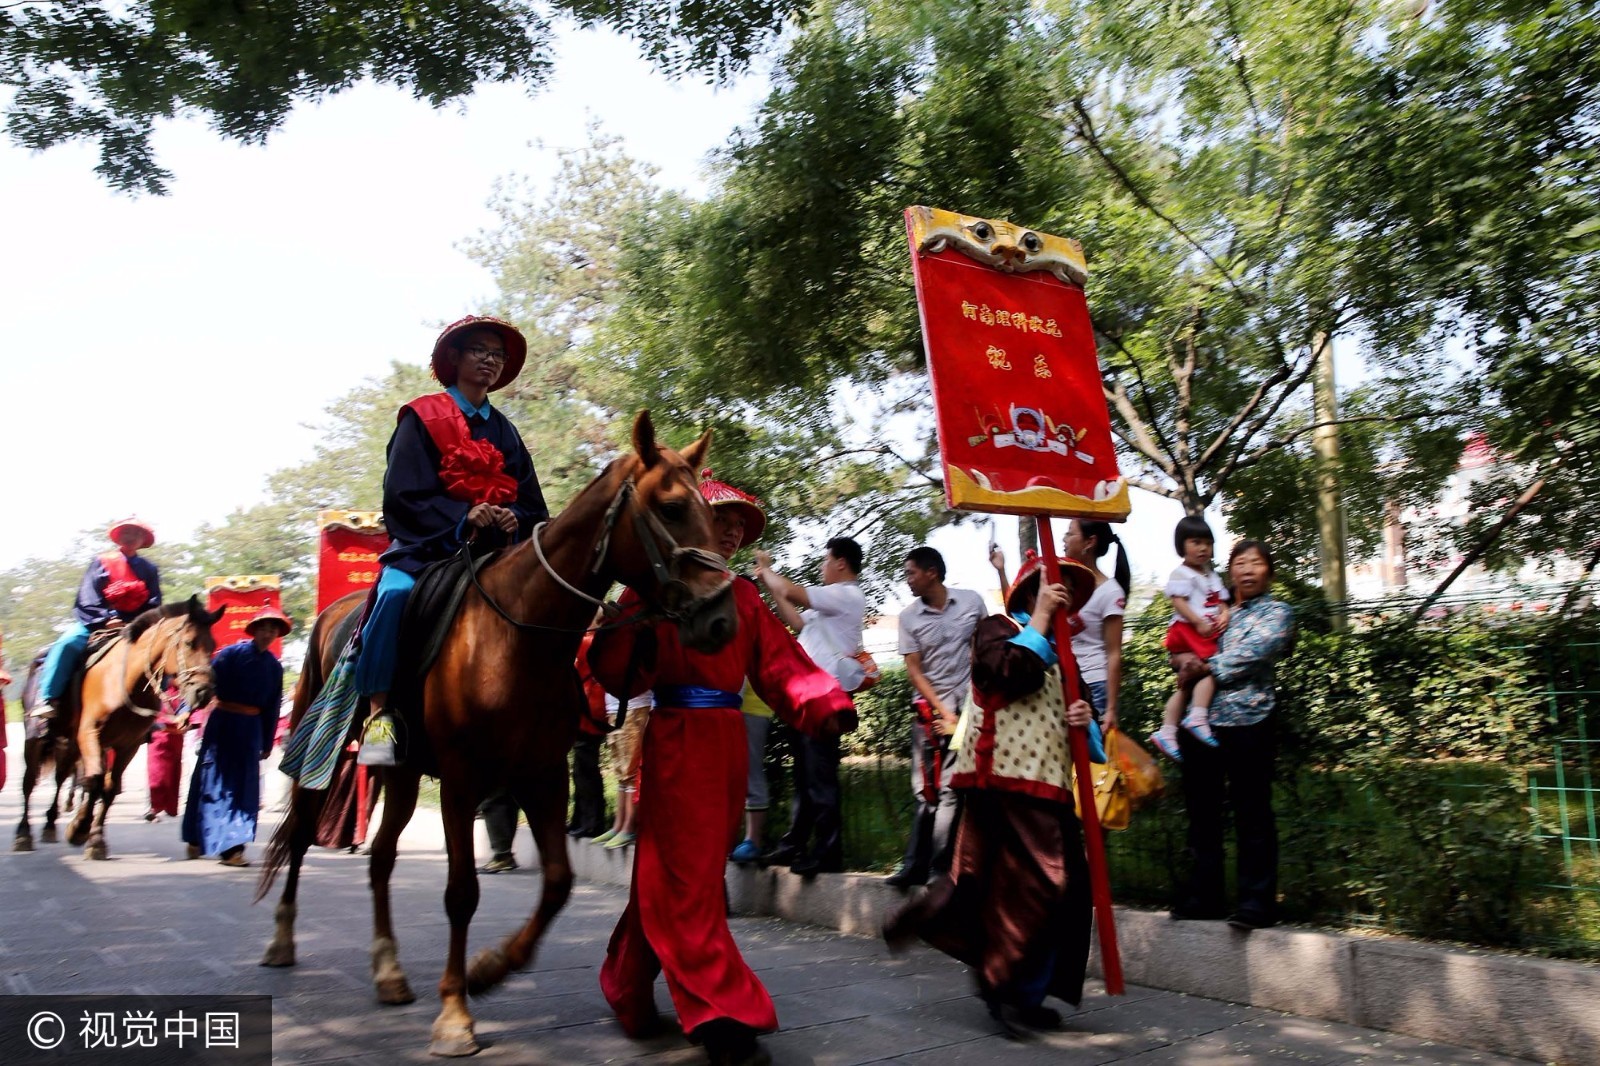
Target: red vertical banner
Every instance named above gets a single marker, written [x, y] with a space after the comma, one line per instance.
[242, 596]
[347, 557]
[1023, 425]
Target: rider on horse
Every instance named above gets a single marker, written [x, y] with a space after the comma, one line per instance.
[457, 471]
[118, 587]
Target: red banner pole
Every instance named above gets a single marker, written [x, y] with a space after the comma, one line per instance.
[1093, 840]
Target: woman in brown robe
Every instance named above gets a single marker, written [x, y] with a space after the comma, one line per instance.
[1016, 904]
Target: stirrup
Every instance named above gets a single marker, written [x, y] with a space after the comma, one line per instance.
[380, 741]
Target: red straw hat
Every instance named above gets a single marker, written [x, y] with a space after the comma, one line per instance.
[269, 614]
[444, 371]
[722, 494]
[134, 523]
[1078, 578]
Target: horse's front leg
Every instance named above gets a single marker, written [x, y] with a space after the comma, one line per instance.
[111, 782]
[544, 799]
[400, 800]
[452, 1029]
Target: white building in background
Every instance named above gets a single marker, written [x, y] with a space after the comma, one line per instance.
[1416, 555]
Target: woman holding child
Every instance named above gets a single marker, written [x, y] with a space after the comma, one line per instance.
[1238, 764]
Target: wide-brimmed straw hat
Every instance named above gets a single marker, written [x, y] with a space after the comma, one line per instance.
[269, 614]
[1078, 578]
[133, 523]
[722, 494]
[444, 371]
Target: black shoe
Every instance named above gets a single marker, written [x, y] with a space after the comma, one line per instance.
[498, 864]
[1042, 1018]
[906, 876]
[731, 1043]
[782, 855]
[811, 866]
[1246, 920]
[1192, 911]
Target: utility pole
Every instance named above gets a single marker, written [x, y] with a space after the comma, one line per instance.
[1330, 501]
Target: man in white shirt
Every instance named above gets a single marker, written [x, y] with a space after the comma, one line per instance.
[936, 640]
[828, 618]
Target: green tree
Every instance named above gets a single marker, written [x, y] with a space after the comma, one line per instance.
[1186, 147]
[107, 71]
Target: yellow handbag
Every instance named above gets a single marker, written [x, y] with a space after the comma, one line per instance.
[1124, 781]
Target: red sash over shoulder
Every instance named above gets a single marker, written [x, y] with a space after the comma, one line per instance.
[473, 471]
[124, 591]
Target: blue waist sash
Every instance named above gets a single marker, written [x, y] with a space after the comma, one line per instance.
[695, 696]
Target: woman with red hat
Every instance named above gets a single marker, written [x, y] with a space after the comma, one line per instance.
[1016, 904]
[457, 471]
[118, 586]
[225, 789]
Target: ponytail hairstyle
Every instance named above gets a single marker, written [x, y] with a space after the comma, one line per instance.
[1104, 536]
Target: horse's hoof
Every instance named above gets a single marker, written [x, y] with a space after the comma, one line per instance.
[278, 955]
[22, 844]
[97, 852]
[453, 1041]
[486, 970]
[396, 992]
[47, 835]
[77, 836]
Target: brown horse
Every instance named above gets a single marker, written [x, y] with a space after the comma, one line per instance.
[119, 698]
[40, 755]
[502, 701]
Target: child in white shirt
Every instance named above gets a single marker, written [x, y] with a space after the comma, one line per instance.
[1200, 613]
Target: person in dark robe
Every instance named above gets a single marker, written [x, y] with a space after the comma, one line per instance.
[225, 789]
[457, 471]
[1016, 903]
[117, 587]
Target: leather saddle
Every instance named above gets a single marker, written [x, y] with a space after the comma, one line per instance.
[101, 643]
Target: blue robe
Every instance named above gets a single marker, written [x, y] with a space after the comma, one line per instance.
[225, 791]
[424, 524]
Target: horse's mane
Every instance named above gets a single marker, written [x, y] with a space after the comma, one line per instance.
[149, 619]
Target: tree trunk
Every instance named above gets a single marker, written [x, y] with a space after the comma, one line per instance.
[1330, 501]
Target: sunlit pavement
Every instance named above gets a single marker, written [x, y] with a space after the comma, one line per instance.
[149, 921]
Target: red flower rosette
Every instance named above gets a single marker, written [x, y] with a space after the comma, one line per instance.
[127, 595]
[474, 471]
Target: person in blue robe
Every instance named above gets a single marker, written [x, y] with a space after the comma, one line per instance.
[105, 600]
[225, 789]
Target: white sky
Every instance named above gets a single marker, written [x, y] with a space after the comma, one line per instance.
[212, 326]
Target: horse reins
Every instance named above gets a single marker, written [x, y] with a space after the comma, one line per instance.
[650, 531]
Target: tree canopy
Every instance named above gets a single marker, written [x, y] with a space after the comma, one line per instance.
[107, 71]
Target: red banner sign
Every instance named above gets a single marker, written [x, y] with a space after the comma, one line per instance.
[351, 542]
[241, 596]
[1023, 425]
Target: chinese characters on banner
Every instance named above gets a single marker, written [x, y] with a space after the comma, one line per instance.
[242, 596]
[347, 558]
[1023, 425]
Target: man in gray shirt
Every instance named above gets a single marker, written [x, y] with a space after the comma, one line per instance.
[936, 640]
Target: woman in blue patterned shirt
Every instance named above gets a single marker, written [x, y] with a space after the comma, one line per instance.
[1239, 769]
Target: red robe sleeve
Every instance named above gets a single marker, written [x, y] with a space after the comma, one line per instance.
[611, 649]
[799, 691]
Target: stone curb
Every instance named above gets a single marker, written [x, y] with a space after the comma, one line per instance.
[1540, 1009]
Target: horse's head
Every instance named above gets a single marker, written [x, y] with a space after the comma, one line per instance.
[663, 542]
[179, 643]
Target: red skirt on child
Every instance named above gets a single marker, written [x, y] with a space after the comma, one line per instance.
[1183, 637]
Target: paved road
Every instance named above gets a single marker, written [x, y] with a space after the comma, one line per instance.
[149, 921]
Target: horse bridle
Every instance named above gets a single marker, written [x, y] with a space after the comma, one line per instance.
[153, 674]
[673, 601]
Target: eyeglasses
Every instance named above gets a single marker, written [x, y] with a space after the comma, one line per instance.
[486, 355]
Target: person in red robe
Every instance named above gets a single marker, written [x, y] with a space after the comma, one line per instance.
[164, 756]
[694, 773]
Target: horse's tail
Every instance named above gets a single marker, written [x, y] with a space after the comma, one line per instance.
[280, 849]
